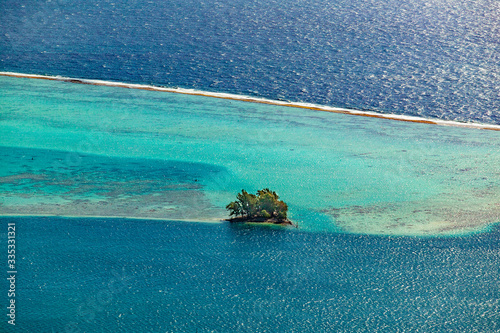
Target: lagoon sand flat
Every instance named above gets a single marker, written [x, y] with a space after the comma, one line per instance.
[103, 151]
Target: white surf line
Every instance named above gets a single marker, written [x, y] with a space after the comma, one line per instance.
[243, 98]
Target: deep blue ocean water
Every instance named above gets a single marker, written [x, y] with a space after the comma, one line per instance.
[115, 275]
[428, 58]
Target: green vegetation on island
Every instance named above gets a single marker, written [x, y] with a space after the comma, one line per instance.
[263, 207]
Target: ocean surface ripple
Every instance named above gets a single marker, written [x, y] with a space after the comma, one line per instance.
[418, 58]
[195, 277]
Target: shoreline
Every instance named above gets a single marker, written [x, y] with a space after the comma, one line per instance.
[242, 98]
[264, 221]
[222, 220]
[113, 217]
[486, 228]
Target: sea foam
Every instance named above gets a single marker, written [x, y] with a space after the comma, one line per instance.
[252, 99]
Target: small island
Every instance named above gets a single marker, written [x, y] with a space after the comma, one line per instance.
[265, 207]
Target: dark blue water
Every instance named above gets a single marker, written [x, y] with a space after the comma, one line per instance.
[112, 275]
[432, 59]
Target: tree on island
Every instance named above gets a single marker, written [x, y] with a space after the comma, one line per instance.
[263, 207]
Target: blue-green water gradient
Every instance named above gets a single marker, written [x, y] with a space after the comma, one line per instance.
[337, 172]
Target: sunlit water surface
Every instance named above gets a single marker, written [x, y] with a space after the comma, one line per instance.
[115, 275]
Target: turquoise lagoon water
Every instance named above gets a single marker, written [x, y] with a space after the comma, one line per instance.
[361, 189]
[358, 187]
[71, 149]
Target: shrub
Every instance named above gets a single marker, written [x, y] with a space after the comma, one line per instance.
[265, 204]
